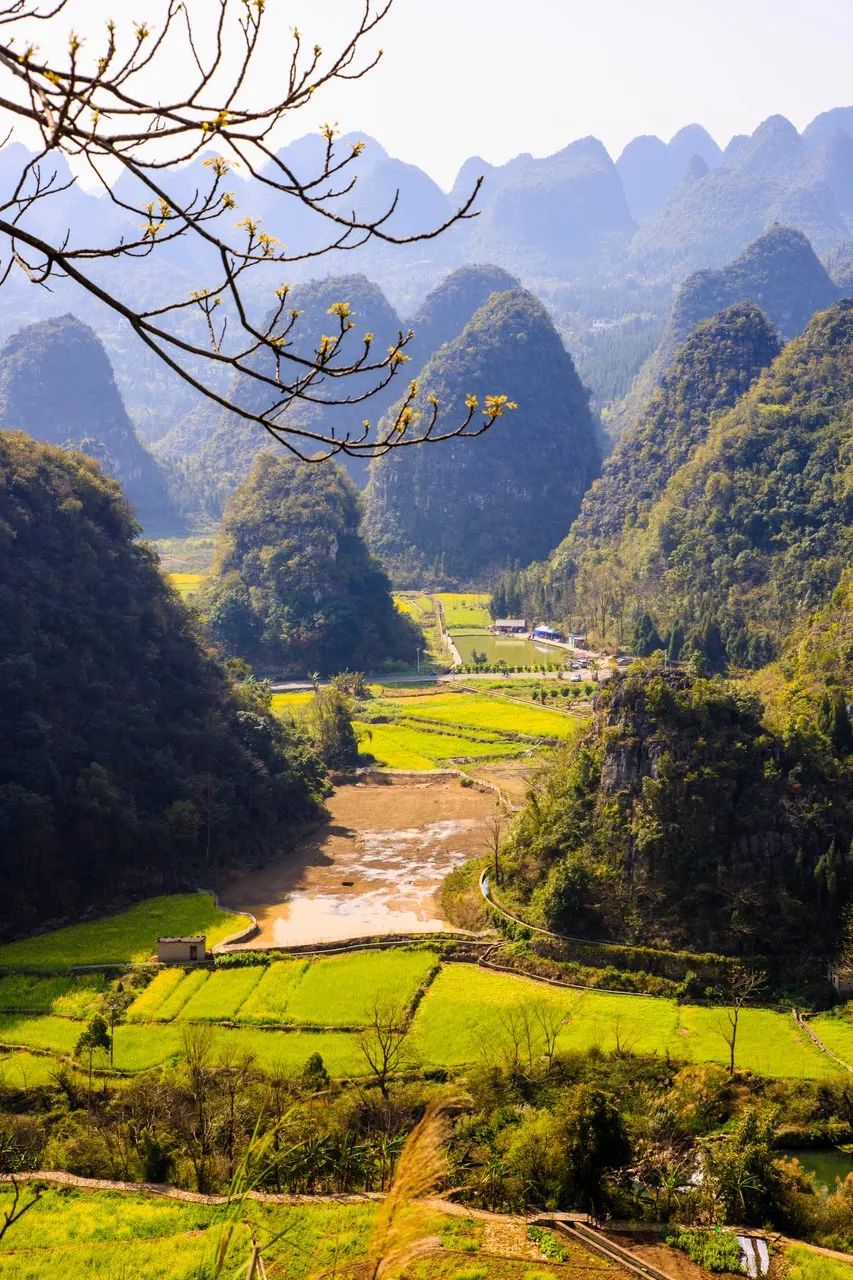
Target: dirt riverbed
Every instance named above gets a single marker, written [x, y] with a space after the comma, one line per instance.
[374, 867]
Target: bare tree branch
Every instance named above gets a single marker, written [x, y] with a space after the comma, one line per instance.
[92, 105]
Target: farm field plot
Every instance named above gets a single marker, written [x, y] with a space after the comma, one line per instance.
[268, 1001]
[394, 744]
[59, 1035]
[768, 1043]
[221, 996]
[333, 991]
[465, 611]
[475, 711]
[22, 1070]
[68, 997]
[187, 585]
[291, 703]
[462, 1014]
[129, 936]
[414, 605]
[80, 1233]
[390, 745]
[161, 988]
[170, 997]
[342, 990]
[836, 1032]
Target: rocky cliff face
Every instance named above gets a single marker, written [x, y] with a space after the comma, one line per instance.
[57, 384]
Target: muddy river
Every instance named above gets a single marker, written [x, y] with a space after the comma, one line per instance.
[374, 867]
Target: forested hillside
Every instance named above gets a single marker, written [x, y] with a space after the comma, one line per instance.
[812, 680]
[56, 383]
[129, 762]
[779, 272]
[775, 175]
[464, 510]
[446, 310]
[755, 527]
[716, 366]
[293, 585]
[682, 820]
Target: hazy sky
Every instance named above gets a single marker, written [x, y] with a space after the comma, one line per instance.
[495, 77]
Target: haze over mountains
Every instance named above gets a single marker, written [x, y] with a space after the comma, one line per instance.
[601, 245]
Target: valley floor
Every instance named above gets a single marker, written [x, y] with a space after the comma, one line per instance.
[374, 867]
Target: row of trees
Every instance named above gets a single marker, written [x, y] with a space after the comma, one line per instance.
[540, 1129]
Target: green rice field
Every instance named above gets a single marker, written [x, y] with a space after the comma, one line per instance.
[465, 611]
[482, 711]
[330, 991]
[281, 1012]
[464, 1007]
[406, 746]
[129, 937]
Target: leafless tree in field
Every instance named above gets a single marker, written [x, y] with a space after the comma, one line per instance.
[382, 1040]
[94, 104]
[742, 986]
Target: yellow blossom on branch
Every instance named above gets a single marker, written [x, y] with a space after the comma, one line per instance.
[496, 406]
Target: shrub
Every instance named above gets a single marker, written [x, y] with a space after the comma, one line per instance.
[715, 1250]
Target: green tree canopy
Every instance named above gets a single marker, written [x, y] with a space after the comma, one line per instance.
[293, 585]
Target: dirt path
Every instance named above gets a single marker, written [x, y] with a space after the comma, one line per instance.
[374, 867]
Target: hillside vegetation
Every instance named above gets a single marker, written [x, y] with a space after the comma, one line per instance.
[128, 759]
[457, 513]
[293, 586]
[779, 272]
[755, 527]
[681, 819]
[57, 384]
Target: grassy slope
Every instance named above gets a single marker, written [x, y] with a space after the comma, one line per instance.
[130, 936]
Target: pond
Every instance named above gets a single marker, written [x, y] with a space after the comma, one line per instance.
[828, 1163]
[515, 651]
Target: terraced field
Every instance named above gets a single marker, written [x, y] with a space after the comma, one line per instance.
[478, 711]
[282, 1010]
[411, 746]
[424, 728]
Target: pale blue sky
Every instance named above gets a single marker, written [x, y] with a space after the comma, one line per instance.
[495, 77]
